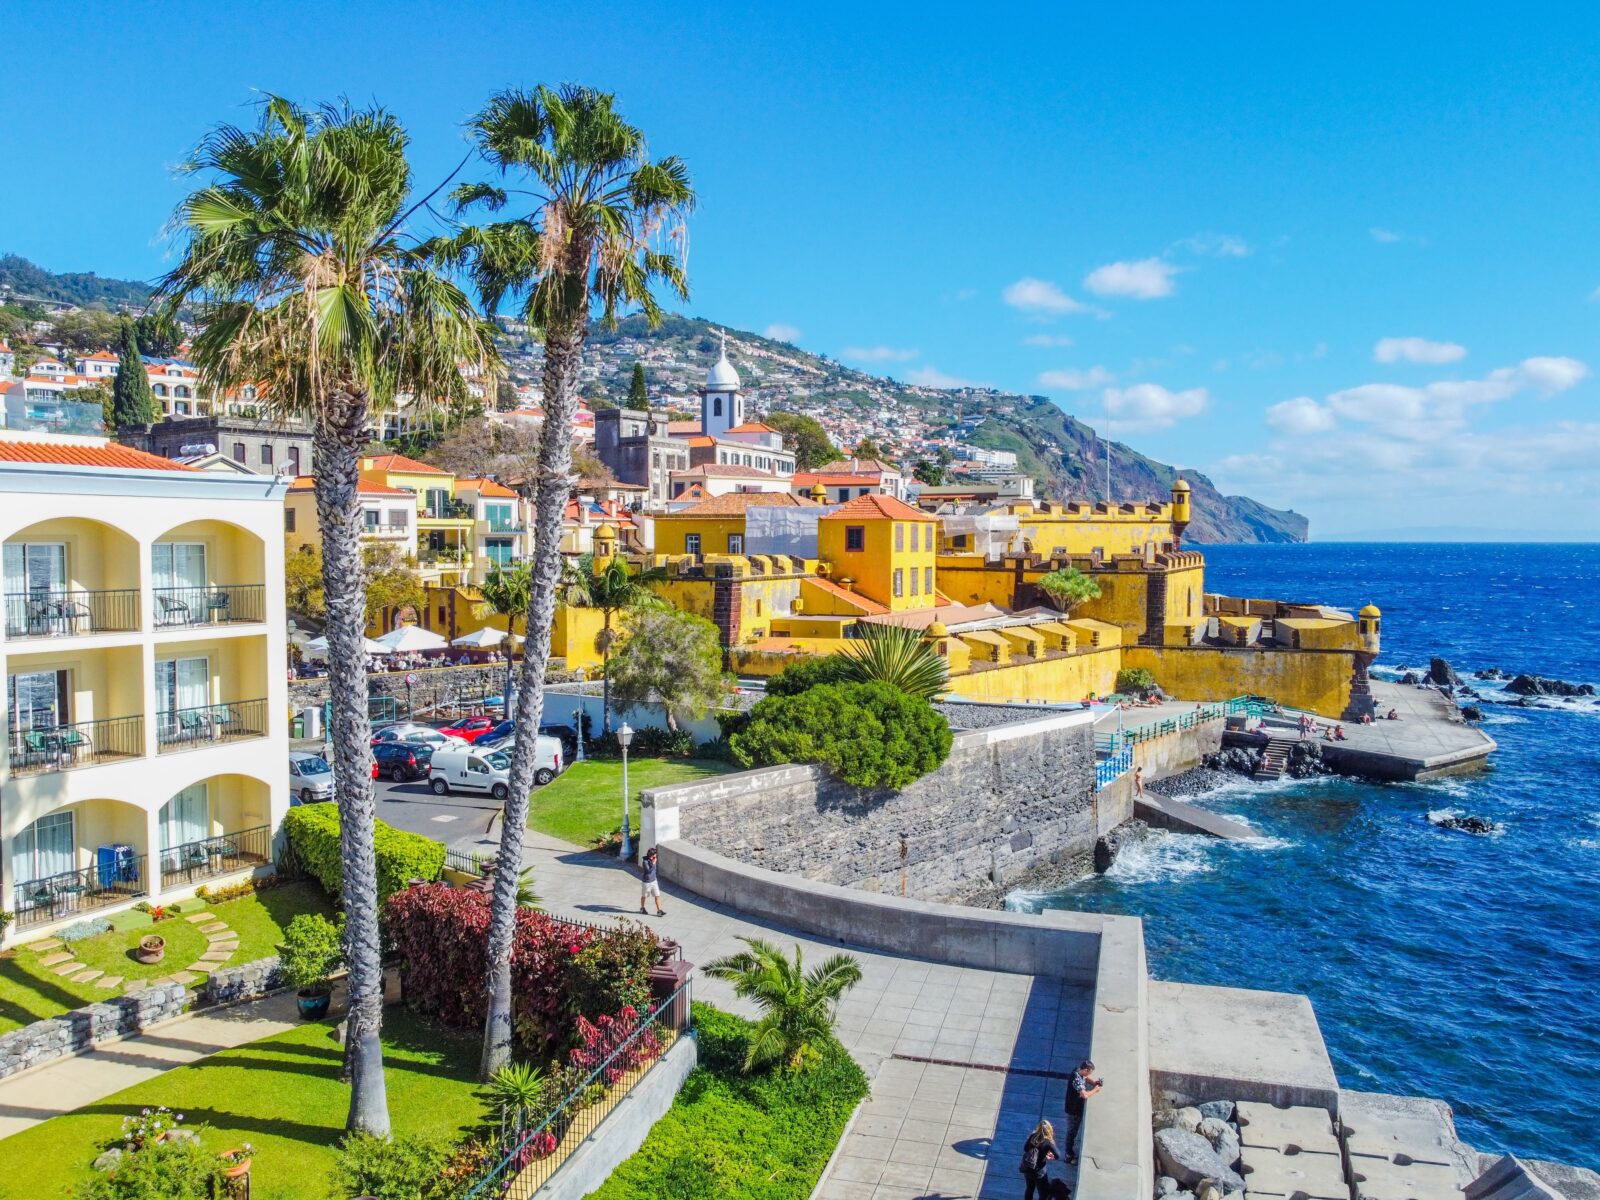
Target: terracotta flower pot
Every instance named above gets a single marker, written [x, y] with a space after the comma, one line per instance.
[151, 949]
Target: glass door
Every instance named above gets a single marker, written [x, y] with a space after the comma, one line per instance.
[43, 849]
[185, 822]
[178, 572]
[35, 582]
[183, 692]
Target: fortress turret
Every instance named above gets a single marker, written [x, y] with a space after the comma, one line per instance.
[819, 493]
[1370, 621]
[1180, 511]
[605, 547]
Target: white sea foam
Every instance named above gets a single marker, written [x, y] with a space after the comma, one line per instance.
[1438, 816]
[1162, 857]
[1503, 719]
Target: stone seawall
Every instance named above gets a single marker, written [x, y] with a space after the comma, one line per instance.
[1009, 800]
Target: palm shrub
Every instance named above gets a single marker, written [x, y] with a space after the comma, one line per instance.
[506, 592]
[798, 1007]
[897, 656]
[1068, 587]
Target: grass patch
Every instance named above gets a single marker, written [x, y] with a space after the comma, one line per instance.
[30, 992]
[282, 1094]
[732, 1136]
[584, 804]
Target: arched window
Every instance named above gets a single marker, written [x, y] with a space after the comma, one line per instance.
[182, 391]
[160, 389]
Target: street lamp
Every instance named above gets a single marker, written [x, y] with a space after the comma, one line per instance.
[625, 739]
[583, 708]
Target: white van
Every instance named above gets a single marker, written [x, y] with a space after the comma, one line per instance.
[473, 770]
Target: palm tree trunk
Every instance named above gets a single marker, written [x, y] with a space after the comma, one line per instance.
[337, 447]
[563, 351]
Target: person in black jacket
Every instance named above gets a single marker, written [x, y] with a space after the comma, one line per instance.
[1037, 1151]
[650, 883]
[1080, 1088]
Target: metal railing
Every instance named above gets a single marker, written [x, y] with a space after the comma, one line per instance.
[213, 856]
[188, 728]
[1108, 770]
[69, 613]
[534, 1156]
[447, 510]
[219, 604]
[84, 744]
[41, 901]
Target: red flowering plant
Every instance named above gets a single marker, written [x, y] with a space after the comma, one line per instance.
[607, 1038]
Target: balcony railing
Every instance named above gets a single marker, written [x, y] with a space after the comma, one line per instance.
[447, 557]
[447, 510]
[85, 744]
[504, 527]
[116, 879]
[69, 613]
[220, 604]
[191, 728]
[213, 856]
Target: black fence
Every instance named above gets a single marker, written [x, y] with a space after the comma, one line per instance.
[114, 880]
[214, 856]
[190, 728]
[220, 604]
[71, 613]
[85, 744]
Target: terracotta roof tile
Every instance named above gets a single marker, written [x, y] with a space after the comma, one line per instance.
[399, 462]
[877, 505]
[486, 487]
[870, 607]
[366, 487]
[752, 427]
[735, 503]
[111, 456]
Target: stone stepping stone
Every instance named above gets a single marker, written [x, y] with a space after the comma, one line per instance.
[227, 935]
[108, 981]
[216, 956]
[184, 977]
[88, 976]
[196, 918]
[214, 927]
[226, 947]
[204, 968]
[135, 985]
[60, 956]
[47, 945]
[67, 968]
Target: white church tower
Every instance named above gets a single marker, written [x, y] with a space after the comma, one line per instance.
[721, 402]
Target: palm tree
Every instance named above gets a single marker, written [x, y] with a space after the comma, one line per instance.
[294, 254]
[505, 591]
[602, 224]
[1067, 587]
[897, 656]
[798, 1006]
[612, 589]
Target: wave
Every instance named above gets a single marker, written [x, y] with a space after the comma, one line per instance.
[1163, 857]
[1503, 719]
[1442, 816]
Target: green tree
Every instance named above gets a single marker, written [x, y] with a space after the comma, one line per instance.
[798, 1007]
[505, 591]
[296, 256]
[897, 656]
[807, 673]
[1136, 681]
[132, 402]
[1068, 587]
[672, 656]
[391, 581]
[806, 437]
[930, 473]
[612, 589]
[605, 223]
[867, 448]
[159, 335]
[638, 392]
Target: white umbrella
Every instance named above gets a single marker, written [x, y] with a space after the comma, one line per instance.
[318, 647]
[408, 638]
[480, 638]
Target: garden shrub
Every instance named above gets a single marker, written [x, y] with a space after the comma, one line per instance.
[605, 1036]
[613, 972]
[79, 930]
[648, 742]
[871, 735]
[1136, 680]
[807, 674]
[313, 833]
[176, 1170]
[402, 1168]
[221, 893]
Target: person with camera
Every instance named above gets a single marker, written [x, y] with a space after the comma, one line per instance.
[1080, 1087]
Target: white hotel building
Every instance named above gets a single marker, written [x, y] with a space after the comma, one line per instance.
[145, 703]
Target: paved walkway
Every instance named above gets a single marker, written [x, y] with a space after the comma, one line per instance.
[929, 1128]
[1429, 735]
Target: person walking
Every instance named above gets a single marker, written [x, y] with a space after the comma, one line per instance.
[1138, 781]
[1080, 1087]
[1037, 1153]
[650, 883]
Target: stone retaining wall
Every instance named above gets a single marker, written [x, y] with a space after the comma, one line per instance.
[434, 685]
[119, 1017]
[1009, 799]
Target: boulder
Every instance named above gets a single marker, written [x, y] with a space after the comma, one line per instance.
[1489, 673]
[1471, 712]
[1166, 1185]
[1537, 685]
[1468, 823]
[1223, 1109]
[1107, 845]
[1305, 762]
[1224, 1138]
[1442, 673]
[1208, 1190]
[1410, 679]
[1189, 1118]
[1190, 1159]
[1234, 758]
[1164, 1118]
[109, 1160]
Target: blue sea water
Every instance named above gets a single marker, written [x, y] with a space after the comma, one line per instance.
[1440, 964]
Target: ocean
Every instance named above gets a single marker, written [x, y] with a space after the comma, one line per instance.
[1440, 963]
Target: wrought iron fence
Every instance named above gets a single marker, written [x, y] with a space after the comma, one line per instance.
[220, 604]
[116, 878]
[188, 728]
[83, 744]
[34, 614]
[534, 1156]
[213, 856]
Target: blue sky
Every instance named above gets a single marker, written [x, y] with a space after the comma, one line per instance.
[1340, 259]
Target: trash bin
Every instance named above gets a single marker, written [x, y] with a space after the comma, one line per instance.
[667, 979]
[297, 728]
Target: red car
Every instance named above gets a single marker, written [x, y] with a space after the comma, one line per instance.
[470, 729]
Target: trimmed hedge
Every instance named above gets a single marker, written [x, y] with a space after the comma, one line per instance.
[313, 833]
[733, 1136]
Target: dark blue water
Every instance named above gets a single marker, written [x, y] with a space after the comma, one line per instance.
[1440, 964]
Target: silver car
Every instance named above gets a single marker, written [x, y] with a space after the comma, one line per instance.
[310, 778]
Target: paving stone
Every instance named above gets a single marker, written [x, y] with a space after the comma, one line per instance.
[46, 946]
[1265, 1125]
[60, 956]
[135, 985]
[227, 935]
[184, 977]
[1417, 1137]
[67, 968]
[1269, 1172]
[1384, 1179]
[205, 967]
[108, 981]
[215, 956]
[88, 976]
[196, 918]
[224, 947]
[214, 927]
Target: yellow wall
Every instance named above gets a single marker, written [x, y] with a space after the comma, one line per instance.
[886, 549]
[103, 683]
[1297, 679]
[573, 635]
[966, 580]
[306, 531]
[99, 556]
[672, 532]
[1057, 533]
[1054, 680]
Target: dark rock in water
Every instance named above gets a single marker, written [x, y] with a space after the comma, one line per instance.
[1106, 846]
[1442, 673]
[1233, 758]
[1196, 781]
[1305, 761]
[1464, 824]
[1489, 673]
[1471, 712]
[1410, 679]
[1537, 685]
[1468, 693]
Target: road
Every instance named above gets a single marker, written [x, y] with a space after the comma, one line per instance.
[449, 819]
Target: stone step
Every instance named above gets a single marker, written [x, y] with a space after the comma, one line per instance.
[184, 977]
[196, 918]
[214, 927]
[88, 976]
[227, 935]
[67, 968]
[46, 946]
[108, 981]
[215, 956]
[60, 956]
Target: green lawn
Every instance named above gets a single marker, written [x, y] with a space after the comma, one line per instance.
[29, 992]
[282, 1094]
[584, 804]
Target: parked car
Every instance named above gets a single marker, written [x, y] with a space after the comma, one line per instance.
[402, 761]
[505, 733]
[500, 735]
[477, 770]
[410, 731]
[310, 778]
[469, 729]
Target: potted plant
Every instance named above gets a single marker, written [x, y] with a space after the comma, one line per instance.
[152, 948]
[310, 954]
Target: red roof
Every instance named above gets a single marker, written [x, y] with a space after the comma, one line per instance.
[724, 471]
[399, 462]
[110, 456]
[752, 427]
[677, 427]
[365, 487]
[486, 487]
[870, 607]
[615, 511]
[877, 505]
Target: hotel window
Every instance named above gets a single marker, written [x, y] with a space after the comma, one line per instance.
[182, 685]
[185, 820]
[239, 454]
[397, 518]
[44, 848]
[855, 537]
[294, 459]
[736, 543]
[370, 516]
[288, 520]
[37, 700]
[927, 580]
[899, 582]
[914, 581]
[691, 543]
[179, 567]
[900, 537]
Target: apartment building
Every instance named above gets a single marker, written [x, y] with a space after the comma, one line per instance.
[145, 695]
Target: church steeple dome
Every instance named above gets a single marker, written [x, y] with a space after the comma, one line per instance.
[722, 377]
[721, 404]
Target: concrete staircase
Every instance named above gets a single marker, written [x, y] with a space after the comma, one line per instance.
[1275, 758]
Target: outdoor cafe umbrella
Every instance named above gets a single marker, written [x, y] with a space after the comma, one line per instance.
[318, 647]
[409, 638]
[480, 639]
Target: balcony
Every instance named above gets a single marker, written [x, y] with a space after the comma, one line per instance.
[210, 724]
[85, 744]
[447, 510]
[505, 527]
[220, 604]
[113, 881]
[71, 613]
[224, 854]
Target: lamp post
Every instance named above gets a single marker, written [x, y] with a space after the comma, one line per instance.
[625, 739]
[583, 709]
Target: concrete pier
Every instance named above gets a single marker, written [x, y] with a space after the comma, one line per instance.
[1163, 812]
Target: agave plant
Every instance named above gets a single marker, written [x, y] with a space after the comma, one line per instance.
[798, 1006]
[897, 656]
[516, 1089]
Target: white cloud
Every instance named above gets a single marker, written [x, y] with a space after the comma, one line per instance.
[1216, 245]
[1149, 407]
[1041, 298]
[1074, 380]
[878, 354]
[934, 378]
[1386, 236]
[1047, 339]
[1146, 279]
[1417, 350]
[1302, 415]
[779, 332]
[1426, 412]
